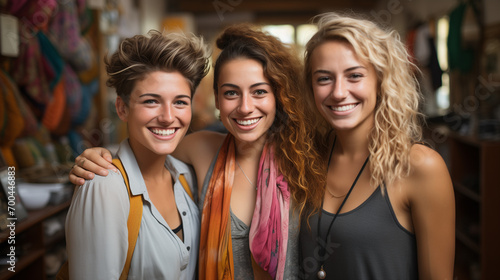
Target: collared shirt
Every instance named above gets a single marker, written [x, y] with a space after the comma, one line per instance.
[97, 235]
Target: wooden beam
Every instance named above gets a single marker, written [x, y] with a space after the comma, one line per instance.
[271, 6]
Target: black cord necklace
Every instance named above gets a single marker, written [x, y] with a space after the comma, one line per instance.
[322, 273]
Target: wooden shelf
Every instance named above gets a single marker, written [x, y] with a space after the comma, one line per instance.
[52, 240]
[466, 191]
[35, 217]
[473, 165]
[30, 236]
[22, 263]
[472, 140]
[467, 241]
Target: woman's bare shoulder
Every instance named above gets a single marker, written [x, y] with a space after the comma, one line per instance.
[425, 160]
[199, 144]
[429, 174]
[204, 138]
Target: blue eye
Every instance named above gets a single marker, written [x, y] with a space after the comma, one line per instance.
[355, 76]
[230, 93]
[181, 102]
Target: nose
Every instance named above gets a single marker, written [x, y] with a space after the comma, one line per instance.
[166, 114]
[339, 90]
[246, 104]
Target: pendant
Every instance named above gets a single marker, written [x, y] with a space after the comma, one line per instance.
[321, 273]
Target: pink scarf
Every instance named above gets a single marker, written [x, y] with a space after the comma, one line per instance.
[269, 228]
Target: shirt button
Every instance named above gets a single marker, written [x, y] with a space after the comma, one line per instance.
[184, 213]
[189, 248]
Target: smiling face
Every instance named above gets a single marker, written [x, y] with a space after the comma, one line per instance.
[345, 88]
[158, 113]
[245, 99]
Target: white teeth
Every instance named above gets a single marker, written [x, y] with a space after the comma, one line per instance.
[163, 132]
[343, 108]
[247, 122]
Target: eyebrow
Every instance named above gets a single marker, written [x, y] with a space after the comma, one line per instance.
[158, 96]
[254, 85]
[322, 71]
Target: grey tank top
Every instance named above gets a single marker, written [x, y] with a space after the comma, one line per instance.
[241, 244]
[365, 243]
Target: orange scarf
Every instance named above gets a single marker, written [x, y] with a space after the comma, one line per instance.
[216, 249]
[268, 231]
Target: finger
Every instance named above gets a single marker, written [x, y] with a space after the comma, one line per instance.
[97, 165]
[99, 156]
[106, 154]
[76, 180]
[81, 173]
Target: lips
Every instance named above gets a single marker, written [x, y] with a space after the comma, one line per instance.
[343, 108]
[163, 132]
[247, 122]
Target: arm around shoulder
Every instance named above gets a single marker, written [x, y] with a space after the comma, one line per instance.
[198, 145]
[432, 205]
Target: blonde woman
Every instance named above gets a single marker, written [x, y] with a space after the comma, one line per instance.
[387, 210]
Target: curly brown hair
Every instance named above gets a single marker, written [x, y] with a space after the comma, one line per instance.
[290, 133]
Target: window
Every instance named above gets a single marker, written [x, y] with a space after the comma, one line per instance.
[443, 93]
[296, 35]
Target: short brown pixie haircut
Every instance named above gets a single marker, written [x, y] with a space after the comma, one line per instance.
[140, 55]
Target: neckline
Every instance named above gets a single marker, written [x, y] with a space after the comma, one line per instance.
[370, 197]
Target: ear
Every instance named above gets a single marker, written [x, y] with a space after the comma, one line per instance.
[121, 109]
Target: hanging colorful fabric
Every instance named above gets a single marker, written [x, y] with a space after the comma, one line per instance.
[73, 90]
[30, 121]
[29, 73]
[64, 32]
[52, 58]
[88, 91]
[12, 122]
[55, 109]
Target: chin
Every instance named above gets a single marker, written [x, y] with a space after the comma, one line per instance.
[162, 152]
[341, 126]
[162, 149]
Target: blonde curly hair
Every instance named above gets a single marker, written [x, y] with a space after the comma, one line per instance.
[397, 118]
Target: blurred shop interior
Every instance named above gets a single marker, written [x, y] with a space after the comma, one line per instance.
[55, 102]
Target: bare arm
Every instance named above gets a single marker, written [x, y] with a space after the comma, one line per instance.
[92, 161]
[196, 149]
[432, 205]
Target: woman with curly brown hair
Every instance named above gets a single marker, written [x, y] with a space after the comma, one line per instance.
[253, 182]
[395, 218]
